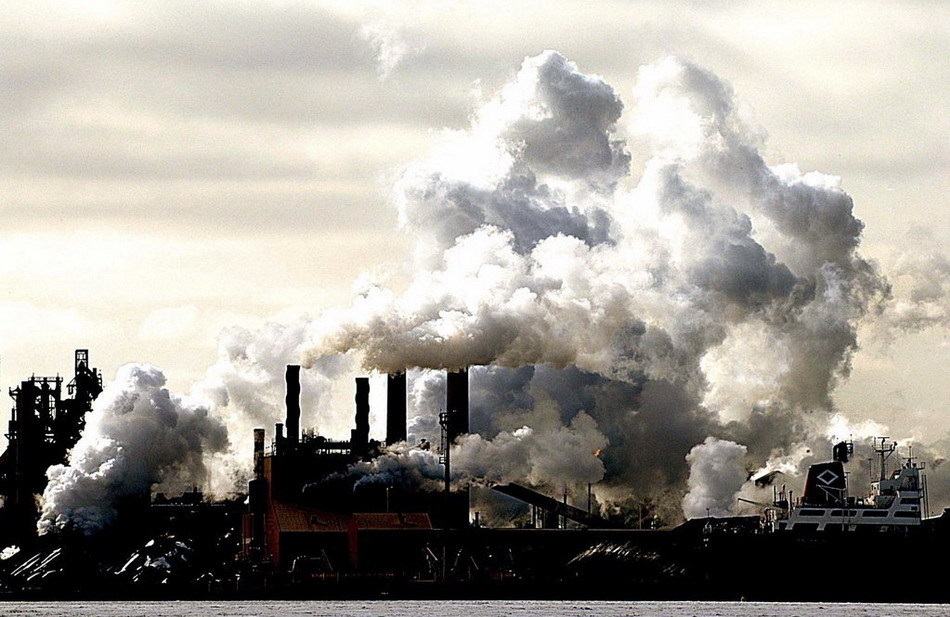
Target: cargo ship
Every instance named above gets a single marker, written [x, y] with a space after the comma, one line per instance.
[897, 502]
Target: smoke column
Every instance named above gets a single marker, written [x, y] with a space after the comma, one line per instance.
[716, 474]
[715, 296]
[137, 436]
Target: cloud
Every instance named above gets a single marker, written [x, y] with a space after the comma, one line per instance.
[390, 44]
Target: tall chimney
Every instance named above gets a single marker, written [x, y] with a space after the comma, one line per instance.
[359, 436]
[293, 404]
[257, 491]
[258, 453]
[456, 403]
[395, 408]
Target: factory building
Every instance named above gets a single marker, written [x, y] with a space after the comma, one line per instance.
[307, 517]
[312, 526]
[309, 523]
[303, 508]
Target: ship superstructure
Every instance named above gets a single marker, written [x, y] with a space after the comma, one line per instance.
[897, 501]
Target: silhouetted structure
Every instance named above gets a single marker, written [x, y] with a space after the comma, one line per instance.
[456, 403]
[292, 400]
[395, 408]
[43, 427]
[303, 505]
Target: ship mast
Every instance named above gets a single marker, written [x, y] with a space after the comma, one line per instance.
[884, 451]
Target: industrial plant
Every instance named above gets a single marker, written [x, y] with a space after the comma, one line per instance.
[45, 423]
[308, 527]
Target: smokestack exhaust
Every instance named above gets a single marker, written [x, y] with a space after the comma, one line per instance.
[293, 404]
[395, 408]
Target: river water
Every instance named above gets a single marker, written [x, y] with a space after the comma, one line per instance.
[472, 608]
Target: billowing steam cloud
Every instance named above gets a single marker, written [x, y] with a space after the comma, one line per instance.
[533, 252]
[697, 314]
[716, 474]
[138, 435]
[924, 277]
[554, 457]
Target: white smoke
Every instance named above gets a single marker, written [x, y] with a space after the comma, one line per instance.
[540, 258]
[716, 474]
[715, 295]
[921, 281]
[555, 457]
[390, 43]
[247, 383]
[532, 250]
[137, 436]
[406, 468]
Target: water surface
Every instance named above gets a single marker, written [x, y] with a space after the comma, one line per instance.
[469, 608]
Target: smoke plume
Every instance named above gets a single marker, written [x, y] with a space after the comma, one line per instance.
[534, 249]
[688, 319]
[137, 436]
[716, 474]
[922, 279]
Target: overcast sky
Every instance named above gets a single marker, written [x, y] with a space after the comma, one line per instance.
[171, 168]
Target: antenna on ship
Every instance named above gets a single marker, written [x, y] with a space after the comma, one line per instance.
[884, 451]
[912, 460]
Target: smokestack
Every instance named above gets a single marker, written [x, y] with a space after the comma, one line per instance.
[359, 436]
[395, 408]
[257, 495]
[258, 453]
[293, 404]
[456, 403]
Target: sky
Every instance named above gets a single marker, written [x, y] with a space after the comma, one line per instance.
[171, 170]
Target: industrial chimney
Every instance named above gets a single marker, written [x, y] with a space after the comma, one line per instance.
[359, 436]
[293, 405]
[257, 496]
[456, 403]
[395, 408]
[258, 453]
